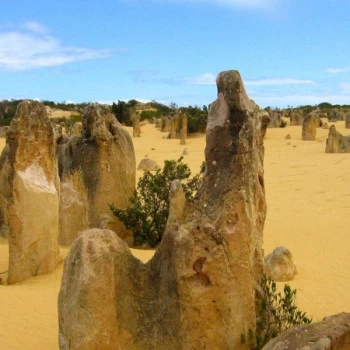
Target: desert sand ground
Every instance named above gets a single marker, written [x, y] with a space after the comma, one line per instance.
[308, 200]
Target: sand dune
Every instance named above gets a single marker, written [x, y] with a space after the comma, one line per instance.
[308, 199]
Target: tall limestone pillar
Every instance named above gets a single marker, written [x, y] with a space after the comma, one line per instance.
[32, 194]
[198, 291]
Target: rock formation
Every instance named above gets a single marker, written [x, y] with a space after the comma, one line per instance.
[198, 291]
[275, 119]
[183, 130]
[148, 164]
[296, 118]
[75, 129]
[105, 159]
[333, 332]
[74, 209]
[166, 124]
[310, 123]
[336, 142]
[175, 127]
[29, 189]
[347, 122]
[279, 265]
[3, 131]
[136, 129]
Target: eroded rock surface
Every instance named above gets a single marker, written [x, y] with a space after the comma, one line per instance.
[147, 164]
[296, 118]
[279, 265]
[30, 193]
[310, 123]
[198, 291]
[183, 131]
[136, 129]
[104, 156]
[74, 208]
[347, 122]
[332, 333]
[336, 142]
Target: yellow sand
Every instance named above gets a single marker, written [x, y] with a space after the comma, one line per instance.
[308, 199]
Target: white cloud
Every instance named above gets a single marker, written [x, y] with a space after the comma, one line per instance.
[203, 79]
[279, 81]
[33, 48]
[338, 69]
[35, 27]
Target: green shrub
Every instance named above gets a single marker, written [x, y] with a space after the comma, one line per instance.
[278, 312]
[283, 123]
[149, 115]
[148, 212]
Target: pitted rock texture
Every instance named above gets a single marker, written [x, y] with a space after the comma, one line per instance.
[279, 265]
[30, 193]
[198, 291]
[104, 156]
[332, 333]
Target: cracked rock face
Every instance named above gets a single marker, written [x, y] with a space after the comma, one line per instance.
[198, 291]
[29, 189]
[104, 159]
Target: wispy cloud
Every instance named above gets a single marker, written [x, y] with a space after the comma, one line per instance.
[143, 75]
[338, 69]
[279, 81]
[35, 27]
[203, 79]
[32, 48]
[144, 72]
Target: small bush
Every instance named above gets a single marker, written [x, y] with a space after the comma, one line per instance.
[283, 123]
[148, 212]
[278, 312]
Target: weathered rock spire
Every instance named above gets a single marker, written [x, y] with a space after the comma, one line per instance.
[30, 193]
[198, 291]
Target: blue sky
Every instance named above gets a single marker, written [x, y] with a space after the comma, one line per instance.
[289, 52]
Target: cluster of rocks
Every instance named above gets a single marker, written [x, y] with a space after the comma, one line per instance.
[198, 291]
[50, 190]
[176, 126]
